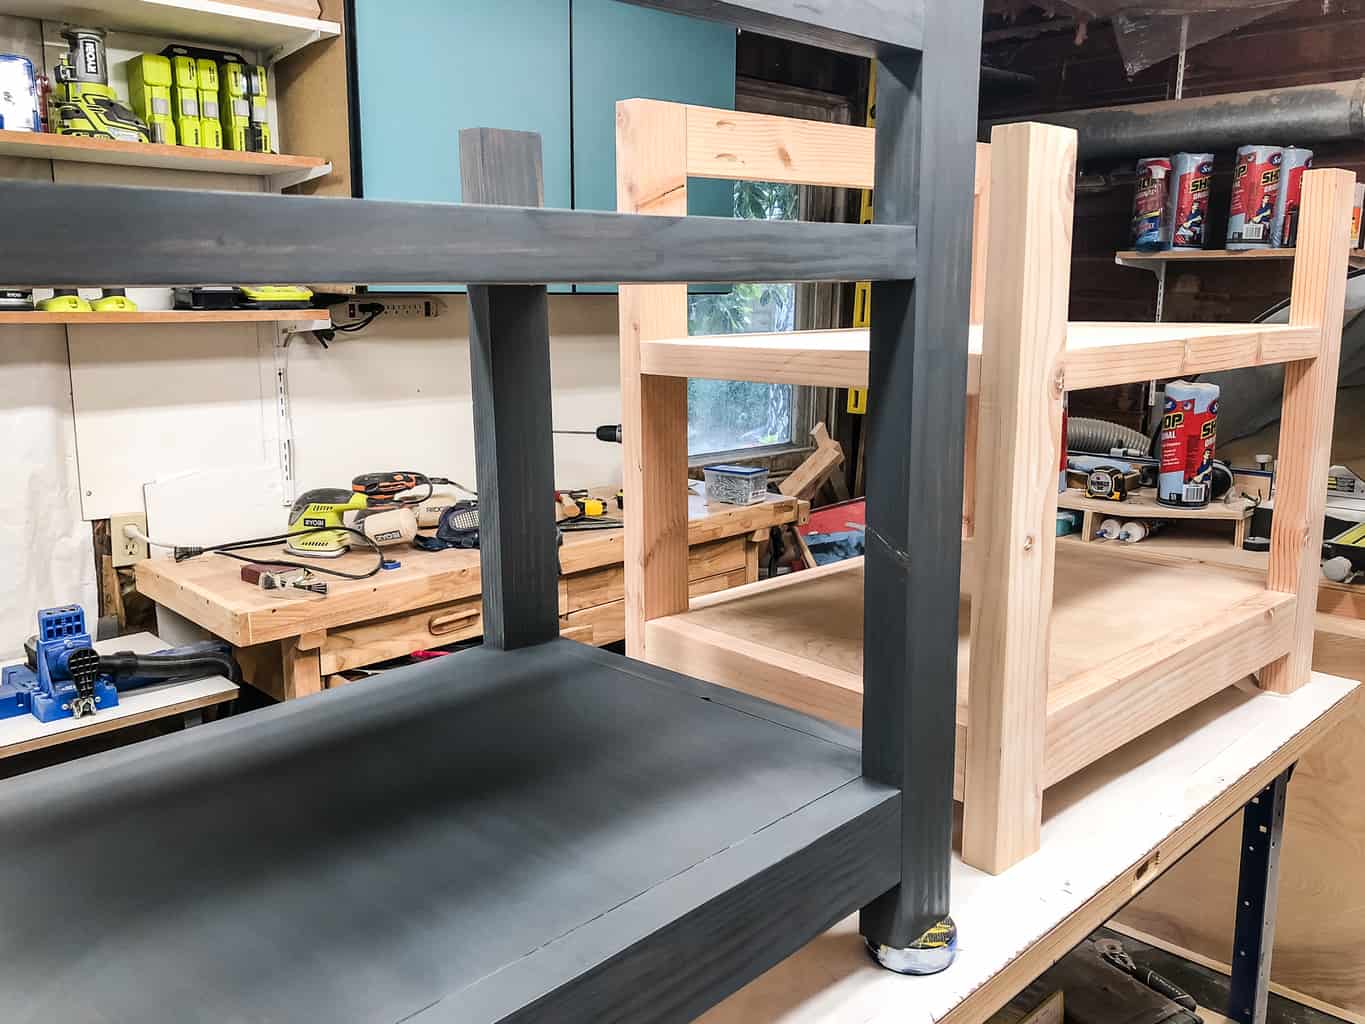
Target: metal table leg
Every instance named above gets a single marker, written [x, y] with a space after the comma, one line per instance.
[1257, 896]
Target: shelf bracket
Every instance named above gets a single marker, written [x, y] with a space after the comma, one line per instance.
[288, 179]
[295, 44]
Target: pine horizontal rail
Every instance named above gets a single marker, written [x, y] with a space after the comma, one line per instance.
[1096, 354]
[92, 236]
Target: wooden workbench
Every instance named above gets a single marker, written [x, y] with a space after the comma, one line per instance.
[1108, 833]
[291, 644]
[187, 700]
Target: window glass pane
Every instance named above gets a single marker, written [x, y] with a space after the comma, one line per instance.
[725, 416]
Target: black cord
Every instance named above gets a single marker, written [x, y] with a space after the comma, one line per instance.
[229, 549]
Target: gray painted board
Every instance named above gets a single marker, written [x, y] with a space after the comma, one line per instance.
[383, 849]
[78, 235]
[868, 27]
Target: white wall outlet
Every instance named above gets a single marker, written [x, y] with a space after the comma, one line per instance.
[126, 550]
[417, 308]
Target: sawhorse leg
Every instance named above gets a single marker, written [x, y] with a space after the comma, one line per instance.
[1257, 895]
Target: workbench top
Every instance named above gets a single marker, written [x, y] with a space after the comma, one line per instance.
[1108, 833]
[210, 593]
[24, 733]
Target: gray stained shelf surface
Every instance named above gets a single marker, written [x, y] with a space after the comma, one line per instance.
[453, 841]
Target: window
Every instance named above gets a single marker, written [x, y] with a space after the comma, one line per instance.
[731, 416]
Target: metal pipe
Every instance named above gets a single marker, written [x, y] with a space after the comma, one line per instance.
[1326, 112]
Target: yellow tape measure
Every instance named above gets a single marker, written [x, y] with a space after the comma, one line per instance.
[862, 292]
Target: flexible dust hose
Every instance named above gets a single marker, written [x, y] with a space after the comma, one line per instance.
[152, 667]
[1102, 437]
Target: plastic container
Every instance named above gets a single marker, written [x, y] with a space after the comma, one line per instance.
[1151, 229]
[18, 95]
[735, 485]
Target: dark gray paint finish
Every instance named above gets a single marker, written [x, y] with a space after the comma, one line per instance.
[868, 27]
[509, 358]
[926, 157]
[374, 851]
[77, 235]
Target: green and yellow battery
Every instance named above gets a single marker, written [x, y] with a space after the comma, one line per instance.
[185, 100]
[260, 110]
[234, 107]
[149, 89]
[210, 123]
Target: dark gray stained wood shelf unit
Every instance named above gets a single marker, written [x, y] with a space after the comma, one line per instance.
[532, 830]
[448, 842]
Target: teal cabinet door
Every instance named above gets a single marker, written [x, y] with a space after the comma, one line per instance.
[427, 68]
[623, 52]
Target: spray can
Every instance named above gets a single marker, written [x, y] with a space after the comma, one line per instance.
[1284, 232]
[1151, 228]
[1061, 475]
[1188, 204]
[1189, 434]
[1255, 186]
[1356, 228]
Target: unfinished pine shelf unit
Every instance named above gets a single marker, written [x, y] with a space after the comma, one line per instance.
[533, 830]
[1061, 660]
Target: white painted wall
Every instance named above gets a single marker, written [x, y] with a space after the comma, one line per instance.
[135, 406]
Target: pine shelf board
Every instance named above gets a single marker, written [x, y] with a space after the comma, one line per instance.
[173, 317]
[1144, 505]
[273, 34]
[1129, 648]
[1192, 255]
[46, 146]
[1096, 353]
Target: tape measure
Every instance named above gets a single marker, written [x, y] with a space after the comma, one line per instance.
[1111, 483]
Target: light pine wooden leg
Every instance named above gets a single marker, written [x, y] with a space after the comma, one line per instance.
[651, 178]
[1239, 534]
[1029, 267]
[1318, 296]
[302, 669]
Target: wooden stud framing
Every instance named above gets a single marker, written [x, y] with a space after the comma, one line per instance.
[1317, 299]
[1021, 424]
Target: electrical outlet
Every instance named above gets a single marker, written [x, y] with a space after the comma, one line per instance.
[126, 550]
[417, 308]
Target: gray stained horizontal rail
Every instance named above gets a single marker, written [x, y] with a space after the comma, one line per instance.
[92, 236]
[872, 28]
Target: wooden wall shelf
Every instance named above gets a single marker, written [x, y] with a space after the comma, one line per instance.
[281, 171]
[165, 317]
[1151, 260]
[272, 34]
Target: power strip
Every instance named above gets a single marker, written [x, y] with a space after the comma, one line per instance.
[416, 308]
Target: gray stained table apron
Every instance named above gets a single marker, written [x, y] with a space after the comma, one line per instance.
[450, 841]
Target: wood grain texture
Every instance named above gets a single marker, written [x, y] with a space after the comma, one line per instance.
[981, 226]
[805, 480]
[257, 239]
[913, 462]
[509, 356]
[651, 178]
[1096, 353]
[1029, 267]
[1317, 300]
[1102, 845]
[516, 770]
[171, 317]
[736, 145]
[870, 28]
[1322, 891]
[45, 146]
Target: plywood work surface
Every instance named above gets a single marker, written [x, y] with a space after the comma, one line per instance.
[1100, 611]
[1108, 833]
